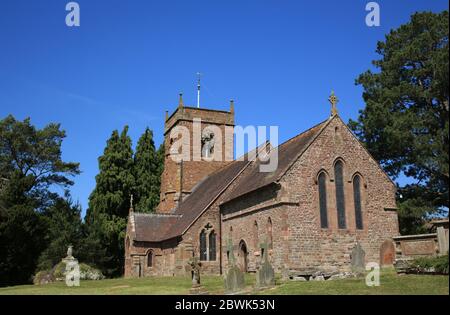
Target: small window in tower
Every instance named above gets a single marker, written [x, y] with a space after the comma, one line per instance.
[208, 144]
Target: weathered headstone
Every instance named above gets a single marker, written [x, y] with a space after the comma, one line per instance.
[265, 275]
[358, 257]
[387, 253]
[234, 278]
[195, 266]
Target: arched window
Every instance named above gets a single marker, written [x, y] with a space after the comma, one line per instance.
[357, 201]
[255, 234]
[203, 249]
[150, 258]
[269, 232]
[212, 246]
[207, 144]
[340, 196]
[323, 200]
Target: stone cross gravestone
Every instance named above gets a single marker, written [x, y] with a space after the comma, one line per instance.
[195, 270]
[234, 278]
[195, 266]
[265, 275]
[358, 257]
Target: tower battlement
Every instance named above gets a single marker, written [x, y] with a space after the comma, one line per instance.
[180, 177]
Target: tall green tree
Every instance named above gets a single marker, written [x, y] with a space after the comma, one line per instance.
[30, 164]
[109, 203]
[405, 123]
[63, 228]
[147, 172]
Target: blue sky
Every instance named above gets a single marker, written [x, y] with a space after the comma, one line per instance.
[128, 61]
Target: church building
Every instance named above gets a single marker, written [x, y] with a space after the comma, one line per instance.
[326, 195]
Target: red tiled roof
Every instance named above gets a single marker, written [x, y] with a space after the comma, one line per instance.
[151, 227]
[159, 227]
[203, 195]
[288, 153]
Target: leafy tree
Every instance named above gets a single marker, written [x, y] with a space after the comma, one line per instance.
[405, 124]
[109, 203]
[63, 228]
[30, 159]
[147, 172]
[30, 163]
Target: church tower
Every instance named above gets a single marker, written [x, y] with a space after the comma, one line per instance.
[209, 147]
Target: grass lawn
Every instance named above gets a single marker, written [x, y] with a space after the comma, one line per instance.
[390, 283]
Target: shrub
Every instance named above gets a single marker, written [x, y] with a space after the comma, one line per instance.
[43, 277]
[431, 264]
[58, 273]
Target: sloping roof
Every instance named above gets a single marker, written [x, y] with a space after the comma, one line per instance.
[159, 227]
[288, 153]
[151, 227]
[203, 195]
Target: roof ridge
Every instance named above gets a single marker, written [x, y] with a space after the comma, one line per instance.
[303, 140]
[324, 125]
[141, 214]
[309, 129]
[246, 163]
[200, 182]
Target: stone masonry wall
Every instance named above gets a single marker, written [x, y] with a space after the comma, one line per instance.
[179, 178]
[299, 242]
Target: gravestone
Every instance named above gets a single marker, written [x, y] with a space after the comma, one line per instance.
[387, 253]
[358, 257]
[234, 278]
[195, 266]
[265, 275]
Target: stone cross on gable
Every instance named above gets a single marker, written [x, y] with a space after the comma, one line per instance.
[333, 100]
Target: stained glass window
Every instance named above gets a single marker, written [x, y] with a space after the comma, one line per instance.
[357, 201]
[212, 246]
[203, 250]
[340, 196]
[323, 200]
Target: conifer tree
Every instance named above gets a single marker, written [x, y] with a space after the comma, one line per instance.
[405, 124]
[109, 203]
[147, 173]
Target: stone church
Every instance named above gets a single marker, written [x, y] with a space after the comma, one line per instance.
[326, 195]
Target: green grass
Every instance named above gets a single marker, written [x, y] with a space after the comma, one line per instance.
[390, 284]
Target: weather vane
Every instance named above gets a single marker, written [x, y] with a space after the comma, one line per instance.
[198, 89]
[333, 100]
